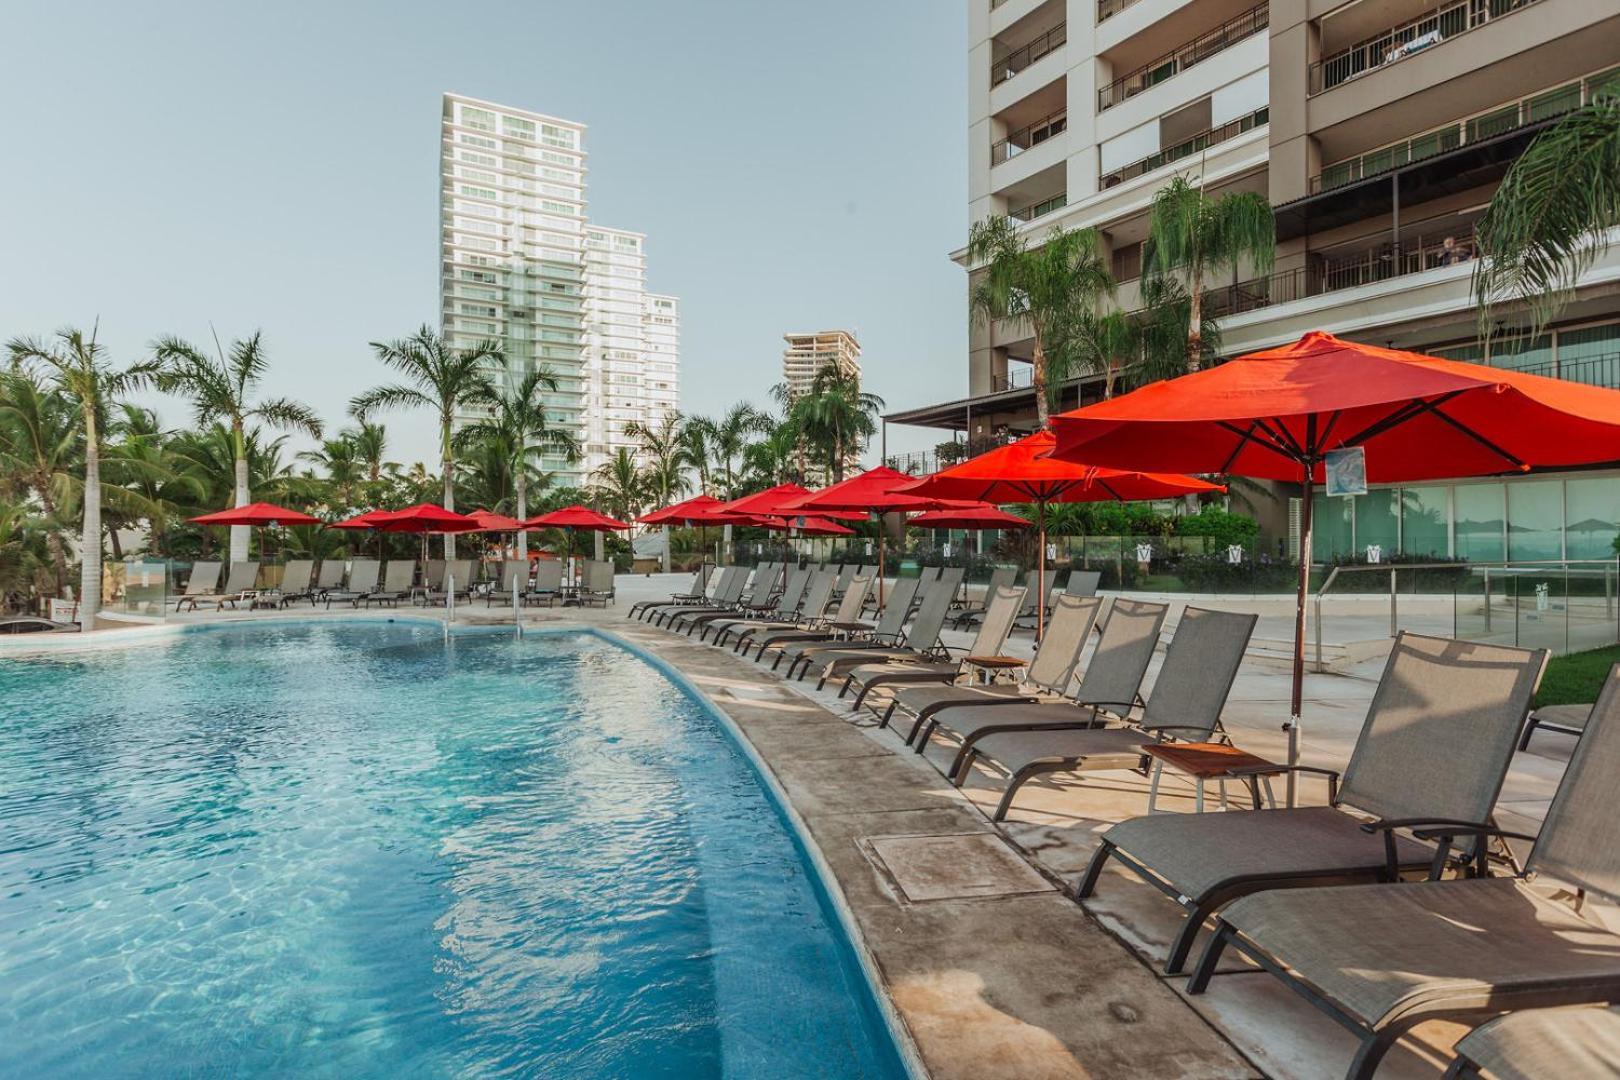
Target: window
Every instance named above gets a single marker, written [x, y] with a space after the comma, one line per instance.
[558, 159]
[1535, 520]
[1479, 522]
[511, 125]
[481, 119]
[486, 160]
[1375, 514]
[475, 140]
[1424, 517]
[480, 193]
[1591, 517]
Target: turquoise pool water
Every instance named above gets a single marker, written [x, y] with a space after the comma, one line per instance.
[354, 850]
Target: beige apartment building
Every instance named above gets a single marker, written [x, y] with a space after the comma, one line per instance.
[806, 354]
[1378, 130]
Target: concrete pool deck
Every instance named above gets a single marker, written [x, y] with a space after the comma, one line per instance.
[991, 965]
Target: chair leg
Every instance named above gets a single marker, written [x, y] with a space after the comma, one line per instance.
[883, 721]
[1212, 957]
[1529, 729]
[1014, 782]
[1185, 937]
[962, 766]
[1372, 1050]
[1088, 884]
[1198, 795]
[1153, 787]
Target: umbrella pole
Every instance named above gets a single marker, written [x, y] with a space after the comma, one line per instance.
[1040, 577]
[1296, 700]
[880, 539]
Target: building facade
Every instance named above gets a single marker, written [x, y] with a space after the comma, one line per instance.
[1378, 132]
[806, 354]
[520, 265]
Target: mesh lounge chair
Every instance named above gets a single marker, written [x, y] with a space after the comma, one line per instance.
[547, 587]
[731, 588]
[694, 594]
[396, 586]
[887, 634]
[330, 577]
[598, 587]
[785, 611]
[1435, 746]
[812, 611]
[988, 641]
[203, 581]
[1381, 958]
[460, 571]
[1538, 1043]
[817, 630]
[295, 577]
[753, 603]
[239, 581]
[511, 570]
[921, 642]
[927, 577]
[1068, 626]
[432, 575]
[363, 576]
[1188, 696]
[1112, 686]
[1002, 577]
[1564, 719]
[1083, 583]
[1028, 617]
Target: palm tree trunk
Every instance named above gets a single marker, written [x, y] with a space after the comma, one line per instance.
[446, 463]
[112, 538]
[666, 548]
[240, 533]
[1042, 409]
[1195, 325]
[53, 539]
[90, 532]
[522, 484]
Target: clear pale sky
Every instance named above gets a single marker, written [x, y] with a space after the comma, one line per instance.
[275, 166]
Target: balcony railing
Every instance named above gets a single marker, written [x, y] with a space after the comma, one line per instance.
[1187, 148]
[1022, 57]
[1408, 39]
[1177, 60]
[1487, 125]
[1031, 135]
[1107, 9]
[923, 462]
[1017, 378]
[1040, 209]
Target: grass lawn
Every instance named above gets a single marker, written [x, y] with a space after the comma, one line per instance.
[1575, 679]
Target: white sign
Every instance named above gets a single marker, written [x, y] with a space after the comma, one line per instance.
[869, 547]
[64, 610]
[1375, 554]
[945, 549]
[1346, 471]
[1234, 553]
[1051, 551]
[1543, 596]
[1144, 553]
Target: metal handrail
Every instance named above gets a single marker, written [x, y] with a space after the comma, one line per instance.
[1406, 39]
[1107, 9]
[1029, 136]
[1184, 56]
[1040, 209]
[1028, 54]
[1187, 147]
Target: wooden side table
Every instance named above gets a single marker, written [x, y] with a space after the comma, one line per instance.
[989, 667]
[1209, 761]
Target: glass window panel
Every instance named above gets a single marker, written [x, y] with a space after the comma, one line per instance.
[1376, 522]
[1592, 517]
[1590, 355]
[1479, 522]
[1524, 354]
[1535, 520]
[1423, 521]
[1330, 528]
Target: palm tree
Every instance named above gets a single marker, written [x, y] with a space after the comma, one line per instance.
[518, 430]
[695, 442]
[39, 451]
[726, 438]
[1549, 220]
[371, 448]
[836, 417]
[1049, 285]
[664, 475]
[1191, 236]
[1097, 344]
[221, 388]
[619, 486]
[77, 366]
[774, 459]
[448, 380]
[339, 461]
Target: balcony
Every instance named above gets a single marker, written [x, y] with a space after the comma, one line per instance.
[1501, 120]
[1020, 58]
[1021, 377]
[1029, 136]
[1177, 60]
[1040, 209]
[1407, 39]
[1186, 148]
[1107, 9]
[1601, 370]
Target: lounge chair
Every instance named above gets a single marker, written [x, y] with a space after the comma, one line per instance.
[1380, 959]
[547, 588]
[751, 605]
[1030, 615]
[1564, 719]
[1112, 687]
[1435, 746]
[203, 581]
[1185, 705]
[396, 586]
[725, 586]
[456, 571]
[363, 577]
[812, 610]
[511, 570]
[328, 578]
[1579, 1041]
[433, 574]
[888, 633]
[1082, 583]
[598, 588]
[1001, 577]
[895, 671]
[1048, 676]
[294, 585]
[727, 597]
[785, 611]
[239, 582]
[693, 595]
[927, 577]
[817, 630]
[920, 641]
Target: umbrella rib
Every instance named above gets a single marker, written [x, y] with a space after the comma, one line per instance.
[1269, 443]
[1477, 437]
[1409, 411]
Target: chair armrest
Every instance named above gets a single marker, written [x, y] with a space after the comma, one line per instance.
[1446, 836]
[1276, 770]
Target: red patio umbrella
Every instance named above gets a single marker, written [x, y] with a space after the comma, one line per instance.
[258, 515]
[575, 517]
[1021, 472]
[1277, 414]
[366, 520]
[700, 510]
[491, 522]
[975, 516]
[807, 526]
[422, 518]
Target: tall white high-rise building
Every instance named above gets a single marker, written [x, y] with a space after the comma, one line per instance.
[520, 266]
[806, 354]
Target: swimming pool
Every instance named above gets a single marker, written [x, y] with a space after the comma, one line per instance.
[357, 850]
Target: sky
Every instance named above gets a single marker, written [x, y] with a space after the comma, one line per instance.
[197, 168]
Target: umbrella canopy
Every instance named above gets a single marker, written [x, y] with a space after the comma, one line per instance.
[367, 520]
[575, 517]
[974, 516]
[1276, 414]
[491, 522]
[256, 514]
[875, 491]
[808, 526]
[698, 510]
[422, 518]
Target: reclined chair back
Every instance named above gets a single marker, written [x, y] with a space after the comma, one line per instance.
[399, 573]
[845, 573]
[792, 592]
[1114, 677]
[462, 571]
[548, 575]
[1068, 625]
[241, 577]
[1033, 594]
[1196, 677]
[296, 574]
[515, 570]
[599, 575]
[1441, 729]
[1083, 583]
[204, 579]
[923, 633]
[818, 595]
[1000, 578]
[331, 574]
[854, 598]
[363, 575]
[432, 574]
[897, 608]
[1579, 842]
[950, 580]
[1000, 612]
